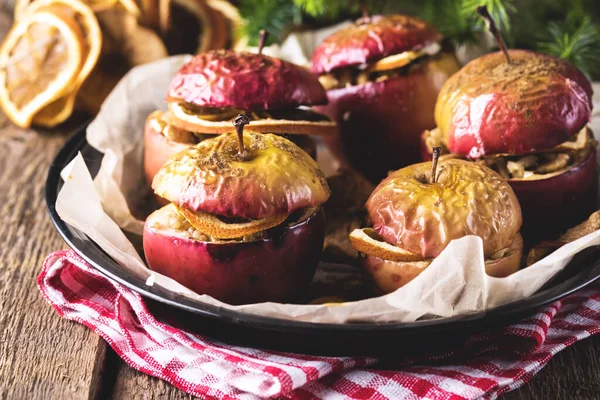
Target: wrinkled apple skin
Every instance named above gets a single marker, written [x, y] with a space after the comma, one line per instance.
[249, 81]
[158, 149]
[380, 123]
[532, 104]
[551, 206]
[411, 212]
[278, 178]
[278, 268]
[370, 40]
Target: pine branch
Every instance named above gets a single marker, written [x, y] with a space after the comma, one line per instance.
[576, 40]
[500, 11]
[275, 16]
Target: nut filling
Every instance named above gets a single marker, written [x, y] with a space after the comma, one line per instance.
[171, 218]
[531, 166]
[392, 66]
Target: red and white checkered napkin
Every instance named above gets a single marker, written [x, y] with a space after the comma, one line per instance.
[489, 365]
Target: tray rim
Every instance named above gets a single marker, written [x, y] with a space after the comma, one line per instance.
[78, 141]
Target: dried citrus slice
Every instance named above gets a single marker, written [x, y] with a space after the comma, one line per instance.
[215, 227]
[40, 58]
[186, 119]
[95, 5]
[60, 109]
[367, 241]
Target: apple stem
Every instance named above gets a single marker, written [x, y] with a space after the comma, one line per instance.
[491, 25]
[239, 122]
[262, 39]
[437, 150]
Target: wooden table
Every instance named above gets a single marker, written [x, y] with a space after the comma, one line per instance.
[45, 357]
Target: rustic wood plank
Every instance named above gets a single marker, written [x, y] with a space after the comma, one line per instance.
[130, 384]
[41, 355]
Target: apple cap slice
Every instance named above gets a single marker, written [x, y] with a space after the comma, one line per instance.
[247, 81]
[491, 106]
[422, 216]
[217, 228]
[371, 39]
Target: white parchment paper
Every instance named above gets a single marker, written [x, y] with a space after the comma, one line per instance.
[455, 282]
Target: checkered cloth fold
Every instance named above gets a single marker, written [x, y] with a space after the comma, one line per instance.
[488, 366]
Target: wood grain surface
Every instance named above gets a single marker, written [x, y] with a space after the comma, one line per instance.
[45, 357]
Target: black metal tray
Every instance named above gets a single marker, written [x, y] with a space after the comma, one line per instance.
[391, 339]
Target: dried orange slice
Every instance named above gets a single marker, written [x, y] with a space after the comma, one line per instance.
[96, 5]
[60, 109]
[40, 58]
[367, 241]
[212, 226]
[185, 119]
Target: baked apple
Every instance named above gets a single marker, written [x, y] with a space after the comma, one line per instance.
[215, 86]
[418, 210]
[382, 76]
[524, 115]
[244, 224]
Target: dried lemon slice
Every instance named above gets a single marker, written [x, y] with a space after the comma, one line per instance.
[39, 59]
[60, 109]
[214, 227]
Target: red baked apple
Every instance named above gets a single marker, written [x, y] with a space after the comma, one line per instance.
[492, 112]
[418, 210]
[215, 86]
[245, 223]
[382, 76]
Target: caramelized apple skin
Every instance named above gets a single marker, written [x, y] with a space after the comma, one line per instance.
[380, 123]
[278, 268]
[552, 205]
